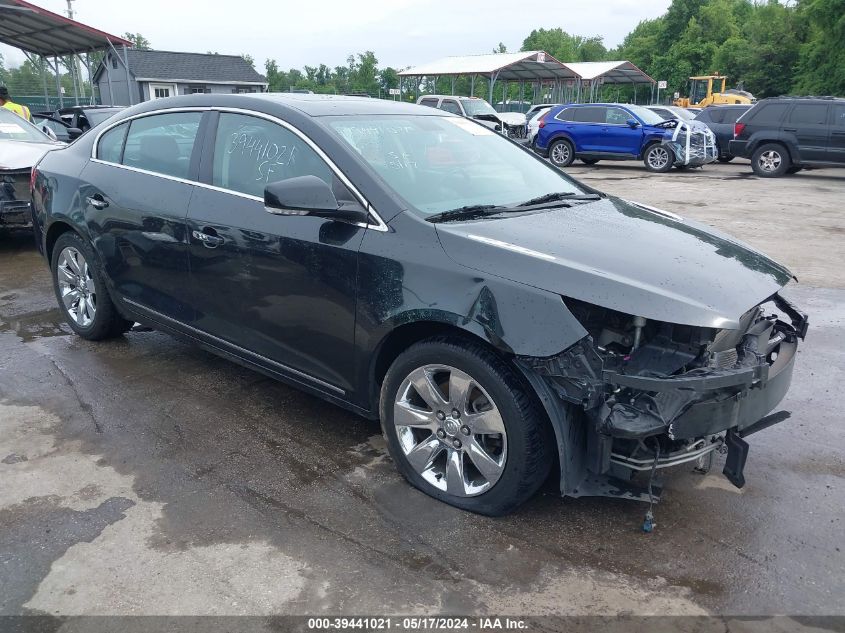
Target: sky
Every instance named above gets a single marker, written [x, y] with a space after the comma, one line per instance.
[401, 33]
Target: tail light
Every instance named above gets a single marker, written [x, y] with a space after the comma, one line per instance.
[738, 128]
[541, 122]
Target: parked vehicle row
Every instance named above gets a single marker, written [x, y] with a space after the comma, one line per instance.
[499, 317]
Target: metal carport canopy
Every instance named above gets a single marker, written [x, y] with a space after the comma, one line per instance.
[618, 72]
[522, 66]
[41, 32]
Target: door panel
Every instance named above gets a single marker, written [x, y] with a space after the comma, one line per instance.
[617, 136]
[808, 122]
[836, 148]
[282, 287]
[137, 219]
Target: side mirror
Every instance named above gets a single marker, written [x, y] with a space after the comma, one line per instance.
[74, 133]
[308, 195]
[633, 123]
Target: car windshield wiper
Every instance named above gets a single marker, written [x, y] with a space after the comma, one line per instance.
[565, 196]
[467, 213]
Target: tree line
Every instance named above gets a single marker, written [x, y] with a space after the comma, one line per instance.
[766, 47]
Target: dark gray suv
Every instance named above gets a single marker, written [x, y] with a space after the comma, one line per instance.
[783, 135]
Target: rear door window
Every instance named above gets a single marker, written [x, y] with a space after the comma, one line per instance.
[250, 152]
[162, 143]
[732, 115]
[809, 114]
[590, 115]
[769, 114]
[716, 115]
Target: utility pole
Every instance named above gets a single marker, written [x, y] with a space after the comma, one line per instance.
[70, 9]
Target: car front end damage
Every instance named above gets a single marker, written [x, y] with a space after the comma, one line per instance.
[14, 198]
[639, 395]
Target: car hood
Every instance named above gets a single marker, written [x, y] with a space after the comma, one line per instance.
[623, 256]
[512, 118]
[23, 155]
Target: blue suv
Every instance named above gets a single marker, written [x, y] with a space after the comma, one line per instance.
[609, 131]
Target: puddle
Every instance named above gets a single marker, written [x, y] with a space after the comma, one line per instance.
[29, 327]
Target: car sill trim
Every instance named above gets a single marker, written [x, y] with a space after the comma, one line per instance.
[240, 350]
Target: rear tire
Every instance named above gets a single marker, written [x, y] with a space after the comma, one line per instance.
[770, 160]
[490, 456]
[561, 153]
[726, 159]
[658, 158]
[81, 291]
[589, 161]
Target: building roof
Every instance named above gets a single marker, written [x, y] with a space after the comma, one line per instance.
[527, 65]
[618, 72]
[41, 32]
[190, 67]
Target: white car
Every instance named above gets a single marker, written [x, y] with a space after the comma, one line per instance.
[533, 116]
[21, 146]
[511, 124]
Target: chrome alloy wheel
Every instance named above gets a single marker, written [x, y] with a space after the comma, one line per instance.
[769, 160]
[450, 430]
[658, 157]
[560, 153]
[76, 286]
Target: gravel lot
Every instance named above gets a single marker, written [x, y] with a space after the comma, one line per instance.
[144, 476]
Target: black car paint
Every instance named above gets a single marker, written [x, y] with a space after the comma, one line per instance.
[324, 304]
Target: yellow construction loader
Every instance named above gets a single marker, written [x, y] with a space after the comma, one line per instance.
[706, 90]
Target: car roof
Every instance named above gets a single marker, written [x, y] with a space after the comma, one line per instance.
[311, 105]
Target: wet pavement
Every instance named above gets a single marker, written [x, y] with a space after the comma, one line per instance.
[145, 476]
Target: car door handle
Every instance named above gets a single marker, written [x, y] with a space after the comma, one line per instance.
[208, 237]
[790, 129]
[838, 133]
[97, 201]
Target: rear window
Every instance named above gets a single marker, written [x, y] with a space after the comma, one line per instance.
[431, 103]
[715, 115]
[731, 115]
[768, 114]
[809, 114]
[839, 115]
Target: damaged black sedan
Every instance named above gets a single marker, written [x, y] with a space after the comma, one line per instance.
[500, 318]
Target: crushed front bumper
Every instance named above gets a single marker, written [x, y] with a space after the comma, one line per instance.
[634, 422]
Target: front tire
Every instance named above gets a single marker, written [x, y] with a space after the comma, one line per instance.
[81, 290]
[770, 160]
[589, 161]
[658, 159]
[726, 158]
[463, 428]
[561, 153]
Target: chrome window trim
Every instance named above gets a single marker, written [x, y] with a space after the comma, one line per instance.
[226, 343]
[379, 225]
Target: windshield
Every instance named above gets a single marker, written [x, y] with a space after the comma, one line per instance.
[474, 107]
[14, 128]
[646, 116]
[440, 163]
[686, 115]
